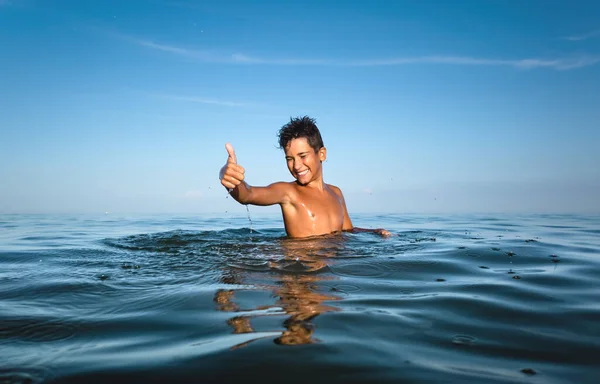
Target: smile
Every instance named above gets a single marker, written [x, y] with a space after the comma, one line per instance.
[302, 173]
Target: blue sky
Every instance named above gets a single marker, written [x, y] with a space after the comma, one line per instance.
[424, 106]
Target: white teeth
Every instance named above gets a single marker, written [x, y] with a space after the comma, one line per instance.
[302, 173]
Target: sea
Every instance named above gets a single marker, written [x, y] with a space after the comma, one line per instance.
[482, 298]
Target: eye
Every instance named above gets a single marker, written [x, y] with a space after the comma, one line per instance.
[302, 156]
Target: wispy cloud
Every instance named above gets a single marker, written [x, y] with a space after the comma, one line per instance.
[201, 100]
[191, 53]
[563, 63]
[584, 36]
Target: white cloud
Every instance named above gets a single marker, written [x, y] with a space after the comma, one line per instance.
[239, 58]
[191, 53]
[201, 100]
[584, 36]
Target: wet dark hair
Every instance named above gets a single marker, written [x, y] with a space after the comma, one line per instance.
[301, 127]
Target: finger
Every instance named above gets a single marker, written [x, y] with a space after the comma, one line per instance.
[234, 175]
[231, 152]
[231, 182]
[227, 184]
[235, 168]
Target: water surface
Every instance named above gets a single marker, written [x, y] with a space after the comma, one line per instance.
[473, 298]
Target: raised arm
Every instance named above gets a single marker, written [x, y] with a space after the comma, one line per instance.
[232, 178]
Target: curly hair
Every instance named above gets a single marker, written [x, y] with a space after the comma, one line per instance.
[301, 127]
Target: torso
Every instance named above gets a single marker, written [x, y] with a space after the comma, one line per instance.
[312, 211]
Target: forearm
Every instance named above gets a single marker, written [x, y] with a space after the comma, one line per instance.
[241, 193]
[380, 231]
[361, 230]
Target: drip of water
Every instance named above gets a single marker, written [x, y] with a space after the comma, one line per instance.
[249, 219]
[247, 209]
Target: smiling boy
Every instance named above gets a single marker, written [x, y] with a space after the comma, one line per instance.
[309, 206]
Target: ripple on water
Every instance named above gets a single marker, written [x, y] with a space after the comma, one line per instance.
[250, 264]
[362, 269]
[24, 375]
[300, 266]
[346, 288]
[36, 330]
[465, 340]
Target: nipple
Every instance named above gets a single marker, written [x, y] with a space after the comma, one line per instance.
[312, 215]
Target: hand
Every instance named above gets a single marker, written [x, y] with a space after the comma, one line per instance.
[231, 174]
[383, 232]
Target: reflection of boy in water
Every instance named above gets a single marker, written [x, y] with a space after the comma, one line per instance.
[309, 206]
[297, 290]
[298, 298]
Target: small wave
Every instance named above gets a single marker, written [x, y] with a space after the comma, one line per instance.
[361, 269]
[465, 340]
[24, 375]
[37, 330]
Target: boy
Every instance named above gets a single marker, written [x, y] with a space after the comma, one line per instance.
[308, 205]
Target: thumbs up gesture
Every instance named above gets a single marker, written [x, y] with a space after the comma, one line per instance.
[231, 174]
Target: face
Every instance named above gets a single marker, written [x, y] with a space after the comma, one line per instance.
[303, 162]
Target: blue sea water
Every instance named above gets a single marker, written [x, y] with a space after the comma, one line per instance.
[209, 299]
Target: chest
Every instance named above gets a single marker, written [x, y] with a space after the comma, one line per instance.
[322, 205]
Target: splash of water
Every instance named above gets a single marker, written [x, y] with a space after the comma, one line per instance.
[247, 209]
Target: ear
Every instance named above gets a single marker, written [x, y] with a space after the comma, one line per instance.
[323, 154]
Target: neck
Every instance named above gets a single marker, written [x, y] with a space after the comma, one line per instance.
[316, 183]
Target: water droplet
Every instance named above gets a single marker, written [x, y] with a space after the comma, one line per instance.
[528, 371]
[249, 219]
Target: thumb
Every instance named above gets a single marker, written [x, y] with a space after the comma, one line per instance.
[231, 152]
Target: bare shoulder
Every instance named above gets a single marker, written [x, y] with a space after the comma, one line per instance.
[335, 190]
[287, 188]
